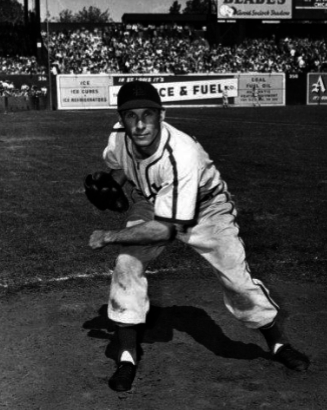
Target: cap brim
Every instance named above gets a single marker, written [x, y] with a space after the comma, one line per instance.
[128, 105]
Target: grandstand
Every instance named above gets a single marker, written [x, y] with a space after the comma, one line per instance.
[164, 44]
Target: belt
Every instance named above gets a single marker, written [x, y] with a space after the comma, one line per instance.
[211, 194]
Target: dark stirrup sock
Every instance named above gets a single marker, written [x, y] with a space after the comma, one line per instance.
[272, 334]
[127, 338]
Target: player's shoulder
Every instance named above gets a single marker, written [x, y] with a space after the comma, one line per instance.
[117, 127]
[178, 137]
[116, 138]
[117, 132]
[182, 147]
[180, 141]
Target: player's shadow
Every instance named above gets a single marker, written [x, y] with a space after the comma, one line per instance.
[161, 321]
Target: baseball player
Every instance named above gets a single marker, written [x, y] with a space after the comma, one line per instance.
[255, 95]
[178, 193]
[225, 97]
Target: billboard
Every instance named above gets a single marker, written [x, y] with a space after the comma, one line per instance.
[254, 9]
[177, 91]
[83, 91]
[310, 4]
[317, 89]
[270, 89]
[310, 9]
[97, 91]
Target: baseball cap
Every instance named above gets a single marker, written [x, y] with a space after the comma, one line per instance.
[138, 94]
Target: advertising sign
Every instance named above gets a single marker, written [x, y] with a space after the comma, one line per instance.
[190, 90]
[311, 4]
[317, 88]
[196, 90]
[254, 9]
[83, 91]
[270, 89]
[310, 9]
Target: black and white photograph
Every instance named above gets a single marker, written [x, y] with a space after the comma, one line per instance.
[163, 182]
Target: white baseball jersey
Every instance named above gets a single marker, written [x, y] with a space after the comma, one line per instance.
[175, 179]
[185, 188]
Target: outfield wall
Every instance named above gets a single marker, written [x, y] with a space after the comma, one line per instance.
[13, 104]
[85, 92]
[76, 92]
[195, 90]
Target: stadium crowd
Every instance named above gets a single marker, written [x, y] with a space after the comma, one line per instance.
[177, 50]
[170, 49]
[15, 52]
[16, 58]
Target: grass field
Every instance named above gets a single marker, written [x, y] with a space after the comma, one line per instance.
[57, 346]
[273, 159]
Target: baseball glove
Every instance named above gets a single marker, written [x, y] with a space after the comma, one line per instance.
[105, 193]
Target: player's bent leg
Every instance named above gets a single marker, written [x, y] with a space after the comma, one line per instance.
[128, 294]
[253, 305]
[217, 239]
[245, 297]
[128, 306]
[128, 299]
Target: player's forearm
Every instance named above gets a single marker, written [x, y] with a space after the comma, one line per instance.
[146, 233]
[142, 234]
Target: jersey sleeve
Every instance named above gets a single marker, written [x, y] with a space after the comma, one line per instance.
[176, 201]
[112, 152]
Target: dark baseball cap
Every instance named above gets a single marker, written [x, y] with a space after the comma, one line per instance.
[138, 94]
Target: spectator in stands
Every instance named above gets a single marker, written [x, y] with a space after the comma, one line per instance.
[177, 50]
[21, 65]
[166, 49]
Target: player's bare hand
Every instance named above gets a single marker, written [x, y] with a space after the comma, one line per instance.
[97, 239]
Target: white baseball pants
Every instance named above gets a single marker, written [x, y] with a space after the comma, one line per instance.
[216, 238]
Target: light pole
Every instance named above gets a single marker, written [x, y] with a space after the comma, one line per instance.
[48, 53]
[26, 12]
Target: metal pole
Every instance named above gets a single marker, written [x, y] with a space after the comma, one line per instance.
[49, 68]
[26, 12]
[37, 15]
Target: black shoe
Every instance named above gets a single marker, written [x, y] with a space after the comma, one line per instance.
[123, 377]
[291, 358]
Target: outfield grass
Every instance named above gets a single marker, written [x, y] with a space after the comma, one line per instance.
[273, 159]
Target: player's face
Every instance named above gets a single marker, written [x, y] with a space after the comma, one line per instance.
[143, 126]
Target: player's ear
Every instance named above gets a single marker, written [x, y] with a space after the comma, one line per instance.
[162, 114]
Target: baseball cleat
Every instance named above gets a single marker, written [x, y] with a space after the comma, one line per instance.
[291, 358]
[123, 377]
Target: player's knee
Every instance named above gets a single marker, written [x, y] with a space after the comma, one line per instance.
[128, 265]
[233, 260]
